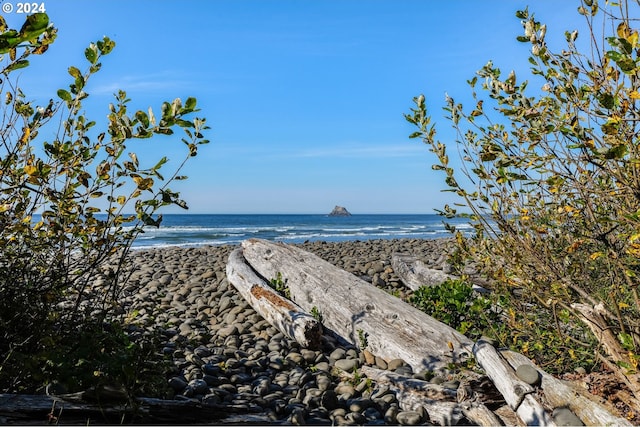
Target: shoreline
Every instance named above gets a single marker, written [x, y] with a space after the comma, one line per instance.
[223, 352]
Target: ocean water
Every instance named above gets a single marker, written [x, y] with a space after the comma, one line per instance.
[194, 230]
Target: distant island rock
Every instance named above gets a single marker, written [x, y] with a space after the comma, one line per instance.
[339, 211]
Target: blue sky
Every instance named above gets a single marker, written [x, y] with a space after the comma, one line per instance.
[305, 99]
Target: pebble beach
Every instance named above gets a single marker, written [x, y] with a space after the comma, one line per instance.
[224, 353]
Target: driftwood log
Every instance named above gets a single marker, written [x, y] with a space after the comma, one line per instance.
[414, 273]
[444, 406]
[369, 317]
[42, 409]
[558, 394]
[280, 312]
[595, 318]
[516, 392]
[357, 311]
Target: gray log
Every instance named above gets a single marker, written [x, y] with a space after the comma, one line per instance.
[412, 394]
[414, 273]
[42, 410]
[279, 311]
[562, 394]
[516, 392]
[357, 311]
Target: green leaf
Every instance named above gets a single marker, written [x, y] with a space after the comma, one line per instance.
[190, 104]
[91, 53]
[142, 118]
[64, 95]
[106, 45]
[74, 72]
[626, 340]
[35, 22]
[17, 65]
[617, 152]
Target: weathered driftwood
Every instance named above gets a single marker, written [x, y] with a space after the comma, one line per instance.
[280, 312]
[479, 414]
[445, 406]
[357, 311]
[516, 392]
[43, 409]
[559, 393]
[412, 394]
[414, 273]
[595, 319]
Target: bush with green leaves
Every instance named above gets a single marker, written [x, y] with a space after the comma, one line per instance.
[456, 304]
[550, 175]
[64, 207]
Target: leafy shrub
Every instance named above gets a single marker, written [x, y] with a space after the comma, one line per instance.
[550, 176]
[62, 211]
[455, 303]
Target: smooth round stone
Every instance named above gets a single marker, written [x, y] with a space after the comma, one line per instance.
[381, 363]
[338, 412]
[359, 405]
[528, 374]
[356, 417]
[409, 418]
[347, 365]
[323, 366]
[369, 358]
[323, 382]
[329, 400]
[372, 414]
[295, 358]
[337, 354]
[308, 355]
[202, 351]
[390, 416]
[345, 389]
[225, 302]
[395, 364]
[199, 386]
[352, 354]
[194, 359]
[177, 384]
[212, 380]
[274, 346]
[564, 417]
[227, 331]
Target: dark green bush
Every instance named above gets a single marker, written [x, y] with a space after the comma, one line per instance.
[456, 304]
[63, 200]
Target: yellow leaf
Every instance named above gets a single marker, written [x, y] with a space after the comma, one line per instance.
[30, 170]
[634, 237]
[623, 305]
[121, 200]
[634, 94]
[5, 207]
[595, 255]
[633, 39]
[622, 30]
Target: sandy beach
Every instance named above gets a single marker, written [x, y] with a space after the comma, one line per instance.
[223, 352]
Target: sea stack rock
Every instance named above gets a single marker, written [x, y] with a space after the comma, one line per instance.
[339, 211]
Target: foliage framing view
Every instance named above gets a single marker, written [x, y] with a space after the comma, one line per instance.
[62, 215]
[551, 173]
